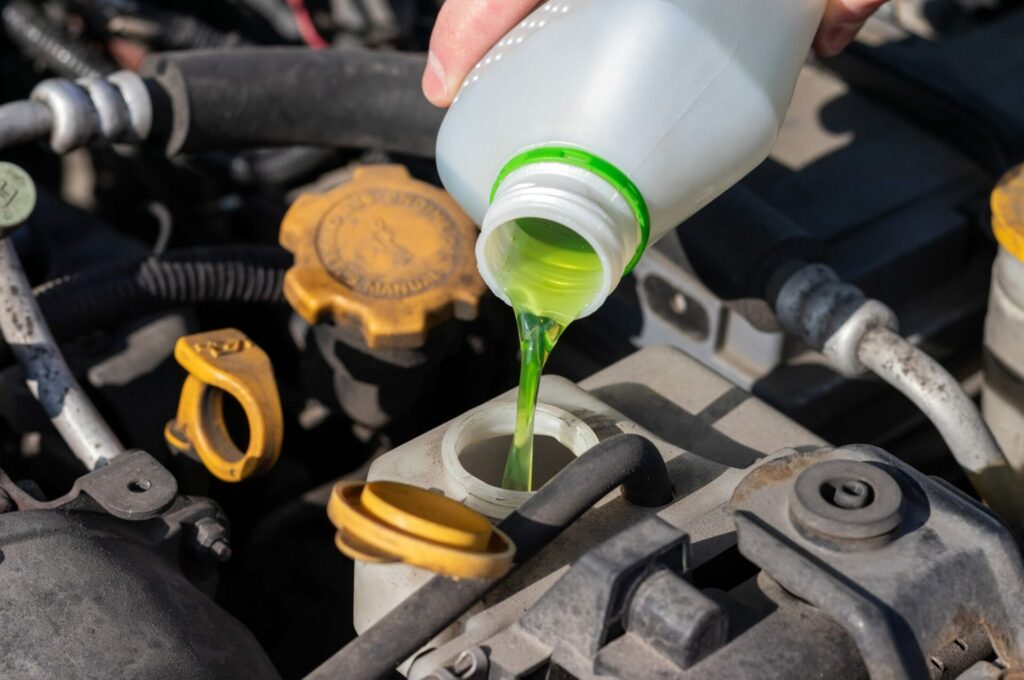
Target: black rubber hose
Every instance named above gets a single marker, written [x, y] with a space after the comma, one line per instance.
[39, 38]
[282, 96]
[103, 298]
[738, 241]
[629, 460]
[275, 167]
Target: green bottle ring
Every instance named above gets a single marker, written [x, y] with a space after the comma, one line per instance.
[600, 167]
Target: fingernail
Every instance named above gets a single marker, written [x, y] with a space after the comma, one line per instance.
[435, 87]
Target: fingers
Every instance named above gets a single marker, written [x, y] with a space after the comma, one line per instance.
[843, 19]
[467, 29]
[464, 32]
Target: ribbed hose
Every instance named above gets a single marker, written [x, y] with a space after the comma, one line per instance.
[629, 460]
[37, 37]
[103, 298]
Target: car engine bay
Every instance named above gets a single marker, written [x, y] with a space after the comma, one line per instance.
[790, 445]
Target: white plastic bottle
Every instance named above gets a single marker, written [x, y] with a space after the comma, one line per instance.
[619, 119]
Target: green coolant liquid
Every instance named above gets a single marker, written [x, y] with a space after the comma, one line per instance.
[550, 276]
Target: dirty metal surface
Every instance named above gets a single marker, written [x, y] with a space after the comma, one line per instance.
[884, 590]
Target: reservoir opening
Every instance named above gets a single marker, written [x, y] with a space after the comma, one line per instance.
[486, 459]
[474, 450]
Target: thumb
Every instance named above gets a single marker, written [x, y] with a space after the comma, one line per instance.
[842, 21]
[464, 32]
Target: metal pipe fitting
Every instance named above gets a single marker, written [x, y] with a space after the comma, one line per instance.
[858, 334]
[75, 120]
[941, 398]
[140, 106]
[117, 109]
[46, 372]
[26, 332]
[110, 106]
[830, 316]
[24, 121]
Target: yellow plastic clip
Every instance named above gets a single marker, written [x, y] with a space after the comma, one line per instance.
[384, 522]
[227, 362]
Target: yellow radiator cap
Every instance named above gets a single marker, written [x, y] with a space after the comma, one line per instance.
[385, 522]
[385, 255]
[1008, 212]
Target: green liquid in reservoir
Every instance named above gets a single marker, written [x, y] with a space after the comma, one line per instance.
[551, 275]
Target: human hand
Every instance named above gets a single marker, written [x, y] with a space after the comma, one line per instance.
[843, 19]
[467, 29]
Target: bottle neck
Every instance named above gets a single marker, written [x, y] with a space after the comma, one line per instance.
[578, 202]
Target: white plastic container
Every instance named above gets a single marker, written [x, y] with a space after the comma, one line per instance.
[635, 114]
[1002, 405]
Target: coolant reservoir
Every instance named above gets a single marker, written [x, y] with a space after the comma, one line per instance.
[658, 393]
[617, 120]
[1002, 396]
[464, 460]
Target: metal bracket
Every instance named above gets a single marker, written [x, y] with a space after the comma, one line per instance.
[133, 486]
[589, 606]
[900, 589]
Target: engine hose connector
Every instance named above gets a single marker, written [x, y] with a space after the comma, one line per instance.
[117, 109]
[831, 316]
[859, 335]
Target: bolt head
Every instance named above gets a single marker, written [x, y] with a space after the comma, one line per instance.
[846, 500]
[850, 494]
[220, 550]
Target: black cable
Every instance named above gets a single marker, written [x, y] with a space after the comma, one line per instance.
[104, 298]
[629, 460]
[40, 39]
[737, 242]
[276, 167]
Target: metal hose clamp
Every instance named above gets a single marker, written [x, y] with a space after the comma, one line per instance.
[75, 120]
[111, 110]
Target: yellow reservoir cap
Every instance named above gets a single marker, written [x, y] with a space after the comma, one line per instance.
[385, 522]
[226, 362]
[1008, 212]
[385, 255]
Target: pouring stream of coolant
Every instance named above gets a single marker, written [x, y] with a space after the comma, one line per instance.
[550, 276]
